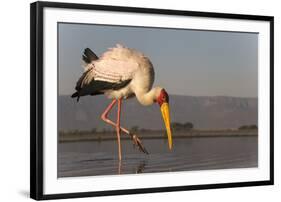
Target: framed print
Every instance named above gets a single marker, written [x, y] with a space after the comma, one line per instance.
[134, 100]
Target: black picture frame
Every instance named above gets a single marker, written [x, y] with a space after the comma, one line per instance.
[37, 101]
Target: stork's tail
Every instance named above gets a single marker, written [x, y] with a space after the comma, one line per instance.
[89, 56]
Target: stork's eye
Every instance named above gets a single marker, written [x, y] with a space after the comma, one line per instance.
[163, 97]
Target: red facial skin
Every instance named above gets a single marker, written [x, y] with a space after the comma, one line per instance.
[163, 97]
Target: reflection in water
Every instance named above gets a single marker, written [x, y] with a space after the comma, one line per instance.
[140, 167]
[119, 167]
[100, 158]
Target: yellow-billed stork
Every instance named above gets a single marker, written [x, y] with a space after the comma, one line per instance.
[122, 73]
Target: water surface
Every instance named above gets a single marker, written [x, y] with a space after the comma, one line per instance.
[101, 158]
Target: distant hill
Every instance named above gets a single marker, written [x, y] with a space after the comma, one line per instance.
[204, 112]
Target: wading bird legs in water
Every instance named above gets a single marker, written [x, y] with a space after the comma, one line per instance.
[119, 128]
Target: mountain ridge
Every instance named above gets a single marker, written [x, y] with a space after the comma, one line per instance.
[203, 111]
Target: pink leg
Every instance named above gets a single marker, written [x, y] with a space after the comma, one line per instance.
[105, 114]
[136, 140]
[118, 129]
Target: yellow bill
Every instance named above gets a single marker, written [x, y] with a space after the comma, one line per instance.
[166, 117]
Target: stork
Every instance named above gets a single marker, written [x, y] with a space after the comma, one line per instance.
[121, 73]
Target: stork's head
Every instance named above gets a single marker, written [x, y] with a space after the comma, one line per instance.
[162, 99]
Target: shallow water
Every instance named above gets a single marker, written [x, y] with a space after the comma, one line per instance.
[101, 158]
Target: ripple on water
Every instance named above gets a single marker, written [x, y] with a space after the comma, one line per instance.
[93, 158]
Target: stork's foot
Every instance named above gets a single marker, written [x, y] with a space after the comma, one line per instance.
[138, 143]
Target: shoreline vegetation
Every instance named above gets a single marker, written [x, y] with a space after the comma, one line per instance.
[93, 135]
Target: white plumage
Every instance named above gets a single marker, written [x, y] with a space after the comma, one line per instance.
[121, 73]
[120, 64]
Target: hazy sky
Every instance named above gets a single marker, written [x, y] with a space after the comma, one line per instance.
[186, 62]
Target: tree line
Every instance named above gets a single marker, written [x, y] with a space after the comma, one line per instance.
[175, 126]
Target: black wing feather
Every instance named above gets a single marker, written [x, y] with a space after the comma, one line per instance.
[89, 56]
[80, 80]
[99, 86]
[115, 86]
[96, 87]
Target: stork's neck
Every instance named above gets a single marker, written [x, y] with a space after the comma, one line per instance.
[148, 97]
